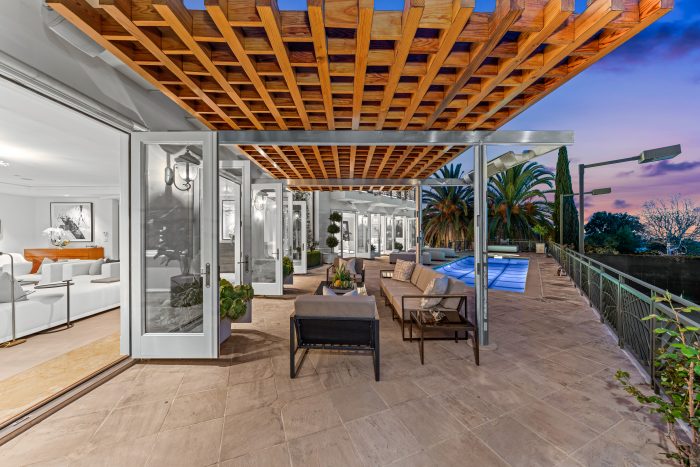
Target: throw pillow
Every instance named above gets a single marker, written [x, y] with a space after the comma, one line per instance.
[403, 270]
[44, 262]
[350, 266]
[437, 286]
[96, 267]
[5, 292]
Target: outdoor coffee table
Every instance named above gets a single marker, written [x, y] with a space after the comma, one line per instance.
[319, 289]
[453, 322]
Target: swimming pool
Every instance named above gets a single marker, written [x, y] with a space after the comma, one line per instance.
[509, 274]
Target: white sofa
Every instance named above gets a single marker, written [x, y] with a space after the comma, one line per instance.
[46, 308]
[21, 266]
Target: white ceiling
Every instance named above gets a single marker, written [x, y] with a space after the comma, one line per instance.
[52, 150]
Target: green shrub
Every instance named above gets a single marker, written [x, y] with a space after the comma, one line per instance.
[287, 266]
[233, 300]
[313, 258]
[398, 246]
[331, 242]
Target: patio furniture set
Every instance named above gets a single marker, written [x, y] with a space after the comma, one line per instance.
[441, 308]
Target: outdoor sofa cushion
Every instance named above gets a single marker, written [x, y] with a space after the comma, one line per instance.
[437, 286]
[319, 306]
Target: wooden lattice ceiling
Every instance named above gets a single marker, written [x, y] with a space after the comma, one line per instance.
[438, 64]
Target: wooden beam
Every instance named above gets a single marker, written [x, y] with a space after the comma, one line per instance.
[362, 39]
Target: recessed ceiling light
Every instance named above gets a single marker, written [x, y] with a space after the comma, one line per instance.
[4, 164]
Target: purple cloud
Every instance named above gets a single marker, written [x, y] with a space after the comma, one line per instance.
[664, 167]
[624, 173]
[621, 204]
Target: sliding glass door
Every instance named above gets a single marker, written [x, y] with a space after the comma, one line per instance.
[267, 238]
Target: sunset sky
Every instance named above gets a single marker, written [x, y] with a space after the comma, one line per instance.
[643, 95]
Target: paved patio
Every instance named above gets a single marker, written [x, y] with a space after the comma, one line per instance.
[545, 396]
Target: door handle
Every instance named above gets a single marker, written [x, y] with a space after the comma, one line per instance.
[207, 275]
[245, 262]
[277, 254]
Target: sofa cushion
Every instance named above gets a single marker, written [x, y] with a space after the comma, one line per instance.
[328, 292]
[416, 273]
[318, 306]
[438, 286]
[6, 285]
[96, 267]
[403, 270]
[426, 275]
[455, 287]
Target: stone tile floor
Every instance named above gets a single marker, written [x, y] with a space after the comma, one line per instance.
[545, 396]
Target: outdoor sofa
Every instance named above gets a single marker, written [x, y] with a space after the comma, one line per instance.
[409, 256]
[405, 296]
[333, 323]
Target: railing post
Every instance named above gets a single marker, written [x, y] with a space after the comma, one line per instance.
[618, 308]
[652, 344]
[601, 304]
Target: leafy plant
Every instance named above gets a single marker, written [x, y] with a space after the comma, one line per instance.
[563, 187]
[313, 258]
[541, 231]
[398, 246]
[187, 294]
[447, 215]
[233, 300]
[342, 277]
[373, 248]
[287, 266]
[678, 372]
[619, 232]
[333, 229]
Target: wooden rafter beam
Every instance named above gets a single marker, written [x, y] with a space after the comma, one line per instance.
[362, 40]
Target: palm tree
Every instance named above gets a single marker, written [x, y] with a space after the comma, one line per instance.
[447, 210]
[517, 201]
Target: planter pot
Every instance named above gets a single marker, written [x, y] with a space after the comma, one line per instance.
[288, 280]
[539, 248]
[328, 258]
[224, 330]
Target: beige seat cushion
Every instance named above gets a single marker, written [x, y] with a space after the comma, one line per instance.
[403, 270]
[319, 306]
[426, 275]
[416, 272]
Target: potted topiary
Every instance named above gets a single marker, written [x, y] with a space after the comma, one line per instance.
[331, 240]
[233, 304]
[287, 270]
[541, 231]
[398, 246]
[373, 251]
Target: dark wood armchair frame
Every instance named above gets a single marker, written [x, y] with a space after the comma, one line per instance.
[354, 334]
[331, 270]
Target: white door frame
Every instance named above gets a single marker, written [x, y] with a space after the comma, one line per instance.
[304, 241]
[272, 288]
[204, 344]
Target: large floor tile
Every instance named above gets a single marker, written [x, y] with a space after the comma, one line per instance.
[398, 391]
[382, 438]
[250, 371]
[247, 396]
[427, 421]
[194, 445]
[123, 454]
[251, 431]
[196, 407]
[131, 422]
[517, 444]
[460, 451]
[277, 456]
[309, 415]
[356, 401]
[328, 448]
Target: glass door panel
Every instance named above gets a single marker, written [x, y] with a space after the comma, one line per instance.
[174, 242]
[388, 234]
[348, 235]
[375, 234]
[298, 226]
[266, 228]
[363, 235]
[399, 233]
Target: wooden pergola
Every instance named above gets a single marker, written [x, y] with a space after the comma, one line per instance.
[340, 64]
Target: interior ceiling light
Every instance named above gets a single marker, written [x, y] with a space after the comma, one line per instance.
[4, 163]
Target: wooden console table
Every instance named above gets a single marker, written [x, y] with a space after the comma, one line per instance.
[37, 255]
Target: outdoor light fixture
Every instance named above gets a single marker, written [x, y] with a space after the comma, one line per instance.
[186, 167]
[260, 200]
[646, 156]
[596, 192]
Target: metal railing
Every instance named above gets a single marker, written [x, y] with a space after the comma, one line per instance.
[622, 301]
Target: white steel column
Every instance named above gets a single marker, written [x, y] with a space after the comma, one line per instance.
[419, 223]
[481, 241]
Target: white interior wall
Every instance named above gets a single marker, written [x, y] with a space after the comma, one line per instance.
[24, 218]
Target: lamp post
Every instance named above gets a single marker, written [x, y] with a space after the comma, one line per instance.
[596, 192]
[650, 155]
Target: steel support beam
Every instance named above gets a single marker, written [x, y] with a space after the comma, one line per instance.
[394, 138]
[360, 182]
[480, 242]
[419, 224]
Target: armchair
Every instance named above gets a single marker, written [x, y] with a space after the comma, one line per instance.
[358, 273]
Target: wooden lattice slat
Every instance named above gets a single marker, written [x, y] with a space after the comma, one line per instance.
[341, 64]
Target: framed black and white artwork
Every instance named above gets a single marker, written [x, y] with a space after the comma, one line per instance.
[228, 219]
[75, 218]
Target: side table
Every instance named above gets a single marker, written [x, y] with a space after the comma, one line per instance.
[453, 322]
[54, 285]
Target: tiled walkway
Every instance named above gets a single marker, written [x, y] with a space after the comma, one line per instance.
[544, 397]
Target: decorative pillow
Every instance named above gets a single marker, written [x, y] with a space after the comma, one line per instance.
[403, 270]
[437, 286]
[44, 262]
[350, 265]
[96, 267]
[5, 292]
[329, 292]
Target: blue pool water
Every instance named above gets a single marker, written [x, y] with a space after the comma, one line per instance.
[507, 274]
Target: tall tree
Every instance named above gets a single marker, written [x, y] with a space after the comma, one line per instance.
[673, 223]
[563, 187]
[620, 232]
[517, 201]
[447, 212]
